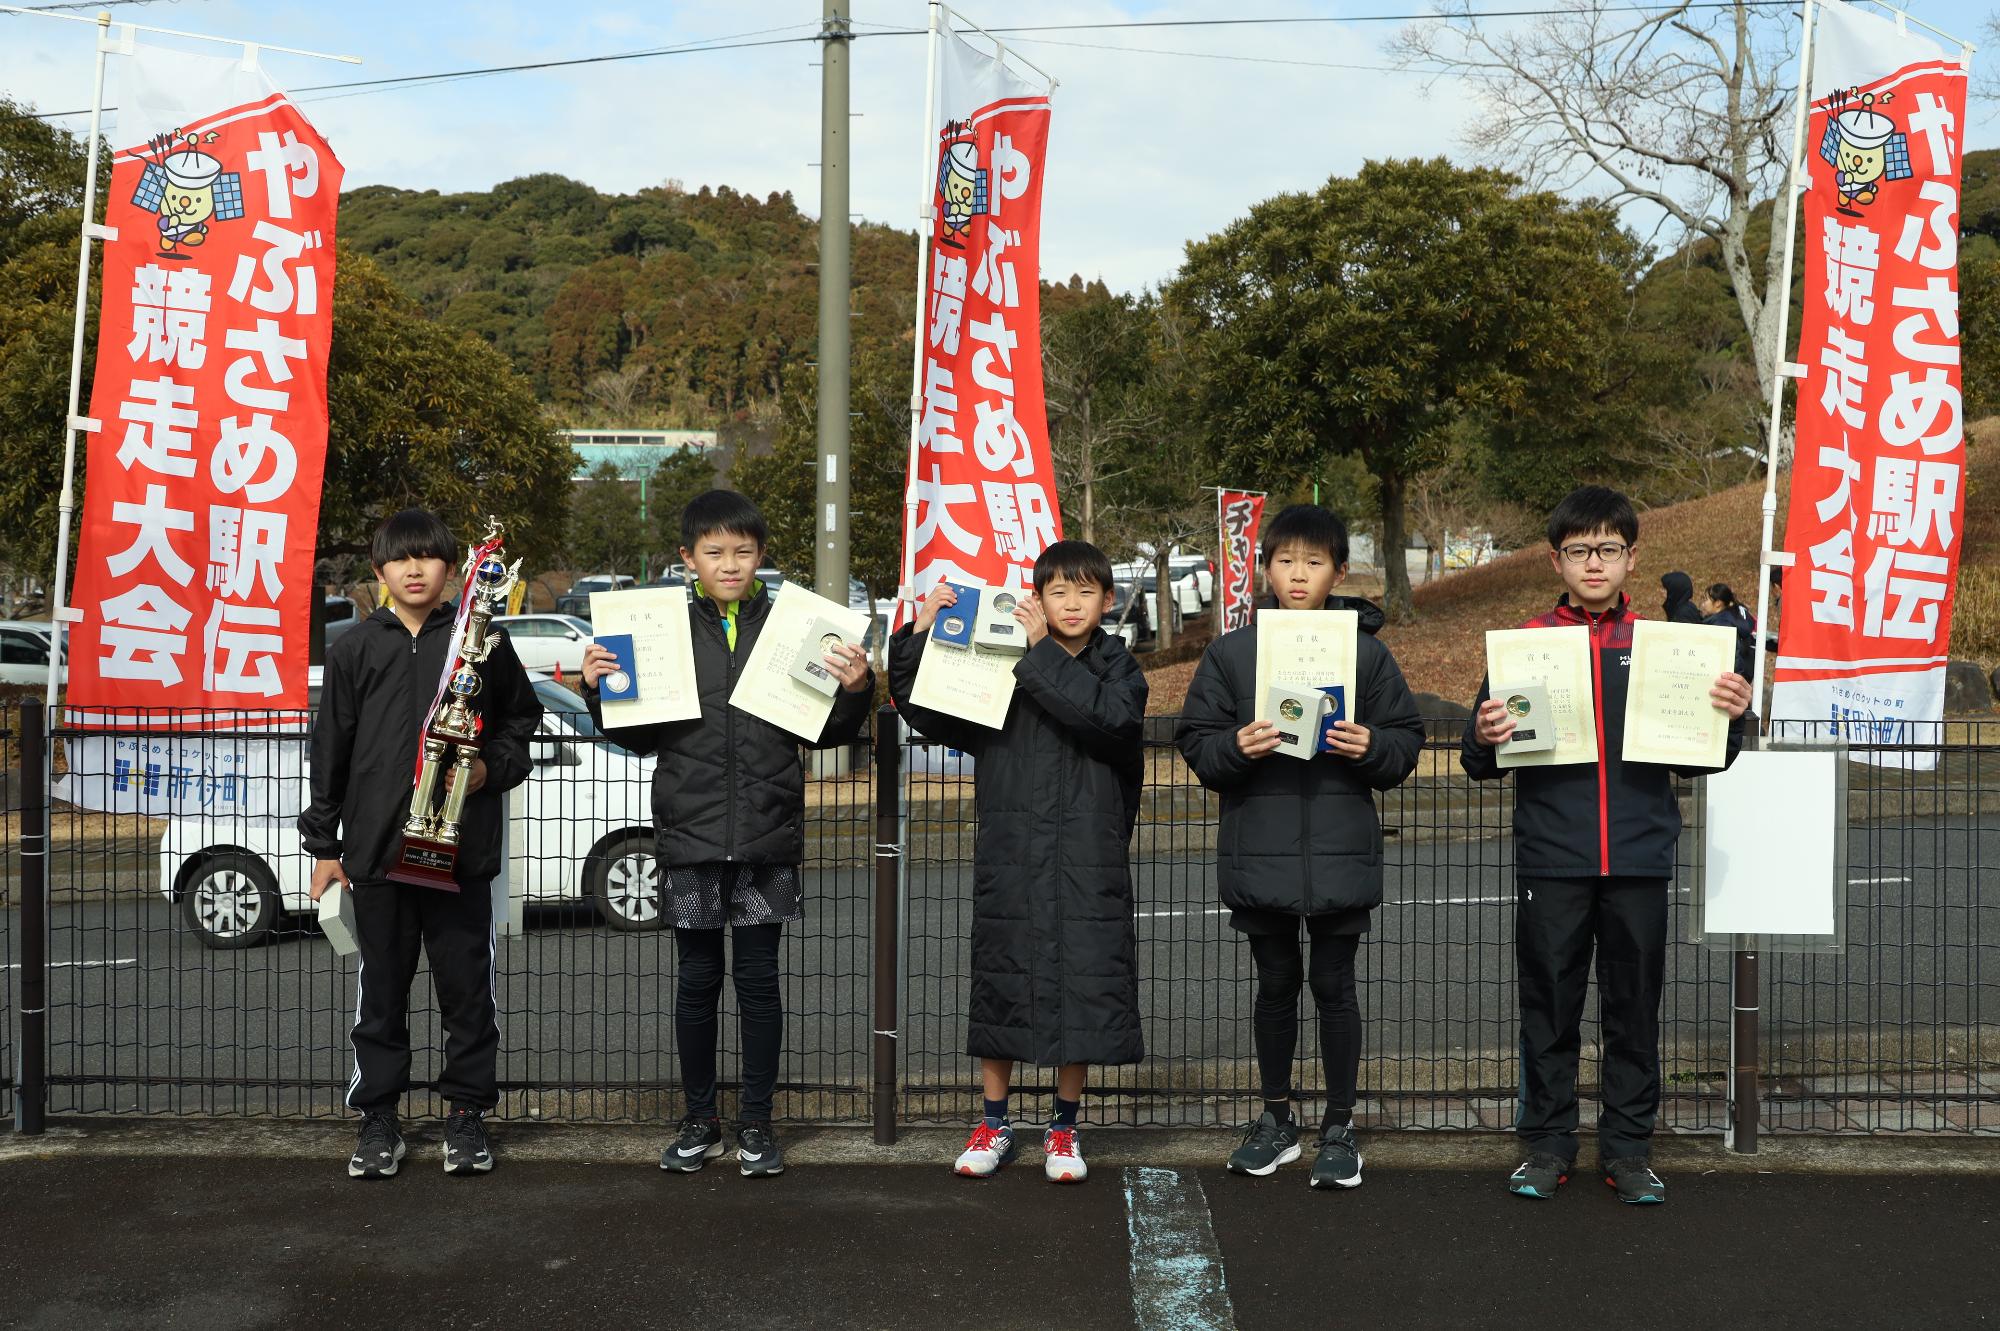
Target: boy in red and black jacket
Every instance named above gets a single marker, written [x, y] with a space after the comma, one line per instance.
[1594, 857]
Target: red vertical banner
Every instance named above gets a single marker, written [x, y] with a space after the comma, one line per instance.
[981, 483]
[1878, 472]
[194, 577]
[1241, 512]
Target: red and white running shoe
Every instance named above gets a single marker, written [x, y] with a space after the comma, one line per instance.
[986, 1151]
[1063, 1156]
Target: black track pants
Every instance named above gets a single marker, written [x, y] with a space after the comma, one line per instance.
[1558, 923]
[392, 923]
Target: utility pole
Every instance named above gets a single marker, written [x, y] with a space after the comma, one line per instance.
[830, 512]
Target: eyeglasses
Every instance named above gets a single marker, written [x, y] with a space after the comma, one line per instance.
[1607, 553]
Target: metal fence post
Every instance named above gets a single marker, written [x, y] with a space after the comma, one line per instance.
[888, 978]
[1745, 1095]
[31, 1093]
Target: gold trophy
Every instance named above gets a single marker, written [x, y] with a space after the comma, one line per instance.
[429, 853]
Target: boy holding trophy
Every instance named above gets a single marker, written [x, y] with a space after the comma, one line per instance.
[382, 707]
[1299, 848]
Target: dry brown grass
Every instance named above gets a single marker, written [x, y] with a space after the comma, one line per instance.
[1712, 539]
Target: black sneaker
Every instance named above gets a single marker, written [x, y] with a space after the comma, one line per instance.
[1339, 1163]
[757, 1153]
[1633, 1178]
[700, 1142]
[465, 1147]
[1539, 1175]
[1267, 1144]
[379, 1153]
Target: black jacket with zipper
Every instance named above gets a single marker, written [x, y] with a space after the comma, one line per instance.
[1609, 818]
[1055, 968]
[378, 682]
[1299, 836]
[730, 788]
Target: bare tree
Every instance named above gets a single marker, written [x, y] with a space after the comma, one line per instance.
[616, 392]
[1685, 108]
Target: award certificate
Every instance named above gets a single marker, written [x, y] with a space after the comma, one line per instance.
[968, 682]
[1669, 717]
[656, 619]
[1558, 660]
[766, 688]
[1306, 649]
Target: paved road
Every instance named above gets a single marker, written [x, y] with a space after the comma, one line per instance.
[580, 1003]
[233, 1245]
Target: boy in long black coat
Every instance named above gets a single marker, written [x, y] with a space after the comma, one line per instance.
[1300, 845]
[1054, 954]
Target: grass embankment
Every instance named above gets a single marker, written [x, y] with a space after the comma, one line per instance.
[1712, 539]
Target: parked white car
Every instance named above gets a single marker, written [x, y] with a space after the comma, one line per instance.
[583, 833]
[547, 642]
[24, 651]
[1192, 578]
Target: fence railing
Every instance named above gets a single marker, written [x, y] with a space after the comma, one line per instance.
[182, 974]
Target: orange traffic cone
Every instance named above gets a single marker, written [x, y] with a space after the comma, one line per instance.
[559, 678]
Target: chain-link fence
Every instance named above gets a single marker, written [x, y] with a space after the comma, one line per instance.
[184, 975]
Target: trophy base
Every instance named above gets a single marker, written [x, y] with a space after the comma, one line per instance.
[421, 862]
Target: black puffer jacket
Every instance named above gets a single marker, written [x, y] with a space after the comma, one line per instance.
[730, 787]
[378, 683]
[1299, 836]
[1054, 954]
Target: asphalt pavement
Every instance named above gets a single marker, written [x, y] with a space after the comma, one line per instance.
[233, 1243]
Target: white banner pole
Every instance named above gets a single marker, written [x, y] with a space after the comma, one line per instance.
[73, 424]
[1781, 370]
[1221, 564]
[907, 593]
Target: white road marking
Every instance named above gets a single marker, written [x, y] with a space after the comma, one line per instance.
[1856, 882]
[1177, 1282]
[82, 965]
[1507, 900]
[1158, 914]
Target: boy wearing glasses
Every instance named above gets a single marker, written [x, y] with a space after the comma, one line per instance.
[1594, 858]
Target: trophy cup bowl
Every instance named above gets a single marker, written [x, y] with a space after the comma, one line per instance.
[428, 856]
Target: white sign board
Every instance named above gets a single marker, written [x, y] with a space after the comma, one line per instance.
[1773, 832]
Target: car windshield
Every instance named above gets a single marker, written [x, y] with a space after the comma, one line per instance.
[580, 625]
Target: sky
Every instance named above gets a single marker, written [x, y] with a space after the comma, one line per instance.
[1150, 146]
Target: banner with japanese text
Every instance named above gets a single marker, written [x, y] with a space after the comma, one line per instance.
[194, 581]
[1240, 513]
[981, 486]
[1878, 495]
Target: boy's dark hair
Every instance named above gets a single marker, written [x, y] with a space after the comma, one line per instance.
[1590, 509]
[415, 533]
[722, 511]
[1073, 561]
[1308, 525]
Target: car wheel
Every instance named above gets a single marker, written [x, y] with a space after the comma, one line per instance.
[231, 901]
[628, 885]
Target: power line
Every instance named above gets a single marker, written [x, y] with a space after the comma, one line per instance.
[1354, 18]
[443, 76]
[86, 4]
[728, 44]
